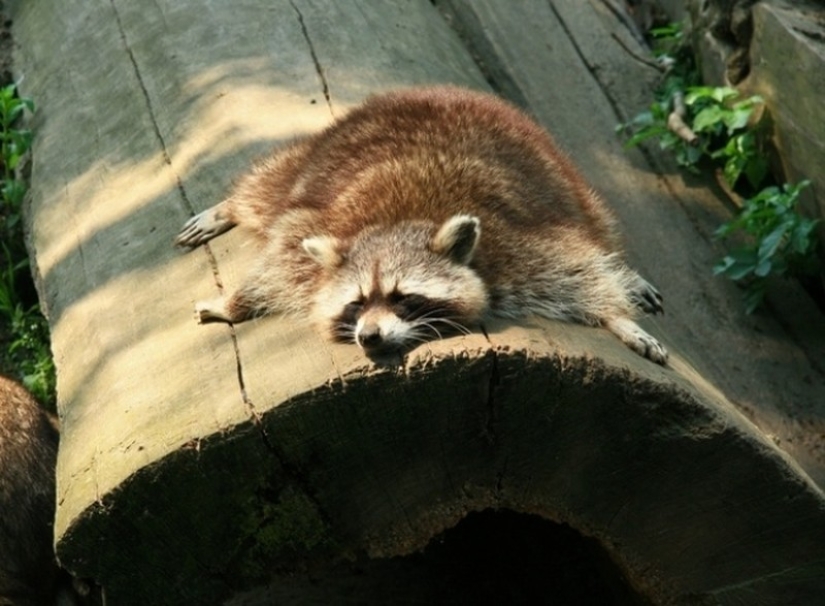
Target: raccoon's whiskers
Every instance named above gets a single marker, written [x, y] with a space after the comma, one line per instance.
[431, 316]
[343, 331]
[459, 327]
[428, 329]
[428, 323]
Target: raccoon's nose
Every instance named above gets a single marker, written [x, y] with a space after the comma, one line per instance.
[369, 336]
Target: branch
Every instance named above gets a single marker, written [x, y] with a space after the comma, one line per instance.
[676, 122]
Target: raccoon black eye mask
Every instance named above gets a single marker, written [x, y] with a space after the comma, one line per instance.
[417, 215]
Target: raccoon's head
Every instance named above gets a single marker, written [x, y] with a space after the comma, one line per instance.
[396, 286]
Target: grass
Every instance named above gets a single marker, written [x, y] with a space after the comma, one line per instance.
[24, 331]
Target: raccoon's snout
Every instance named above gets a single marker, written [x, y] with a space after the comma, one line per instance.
[382, 343]
[369, 336]
[379, 331]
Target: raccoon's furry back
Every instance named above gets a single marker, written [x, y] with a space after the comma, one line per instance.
[428, 154]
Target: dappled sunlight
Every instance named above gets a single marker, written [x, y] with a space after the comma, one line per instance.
[131, 393]
[223, 124]
[230, 115]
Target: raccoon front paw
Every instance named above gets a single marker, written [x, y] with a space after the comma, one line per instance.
[646, 297]
[650, 348]
[202, 228]
[213, 310]
[632, 335]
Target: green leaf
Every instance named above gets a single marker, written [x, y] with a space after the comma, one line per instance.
[770, 243]
[709, 119]
[723, 93]
[644, 135]
[733, 169]
[697, 93]
[738, 264]
[722, 266]
[800, 238]
[751, 101]
[763, 269]
[725, 229]
[645, 118]
[13, 191]
[737, 119]
[7, 92]
[671, 30]
[756, 169]
[754, 296]
[793, 191]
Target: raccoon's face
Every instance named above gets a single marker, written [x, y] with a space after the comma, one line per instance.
[395, 287]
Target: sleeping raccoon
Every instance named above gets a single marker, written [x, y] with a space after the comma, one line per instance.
[420, 213]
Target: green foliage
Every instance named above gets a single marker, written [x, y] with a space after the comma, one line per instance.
[26, 331]
[780, 241]
[666, 37]
[14, 143]
[653, 124]
[671, 51]
[719, 116]
[721, 123]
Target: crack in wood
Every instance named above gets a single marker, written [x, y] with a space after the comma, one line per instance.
[188, 206]
[314, 55]
[467, 26]
[492, 410]
[592, 69]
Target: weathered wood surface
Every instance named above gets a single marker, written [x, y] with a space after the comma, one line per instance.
[195, 458]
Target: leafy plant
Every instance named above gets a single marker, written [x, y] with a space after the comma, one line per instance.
[653, 124]
[14, 143]
[718, 115]
[722, 127]
[780, 241]
[23, 327]
[667, 38]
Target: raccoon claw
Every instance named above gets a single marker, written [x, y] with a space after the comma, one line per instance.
[647, 298]
[632, 335]
[202, 228]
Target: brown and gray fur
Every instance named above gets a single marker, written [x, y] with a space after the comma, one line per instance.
[422, 212]
[28, 451]
[29, 572]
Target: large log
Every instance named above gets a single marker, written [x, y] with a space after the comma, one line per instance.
[197, 460]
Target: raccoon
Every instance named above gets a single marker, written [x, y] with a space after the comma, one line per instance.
[29, 571]
[28, 451]
[419, 214]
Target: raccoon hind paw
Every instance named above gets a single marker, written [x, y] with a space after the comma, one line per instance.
[202, 227]
[632, 335]
[213, 310]
[646, 297]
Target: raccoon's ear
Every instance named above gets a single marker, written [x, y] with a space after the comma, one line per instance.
[326, 250]
[457, 238]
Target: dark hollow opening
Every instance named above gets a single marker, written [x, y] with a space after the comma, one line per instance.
[508, 558]
[491, 557]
